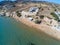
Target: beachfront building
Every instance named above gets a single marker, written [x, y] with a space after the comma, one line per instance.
[10, 13]
[7, 13]
[30, 18]
[32, 11]
[46, 21]
[52, 23]
[13, 14]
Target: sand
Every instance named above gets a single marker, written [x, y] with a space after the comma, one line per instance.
[41, 27]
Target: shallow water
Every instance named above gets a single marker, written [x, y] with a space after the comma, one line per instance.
[15, 33]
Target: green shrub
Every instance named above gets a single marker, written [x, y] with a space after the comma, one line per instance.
[41, 16]
[18, 14]
[55, 16]
[37, 21]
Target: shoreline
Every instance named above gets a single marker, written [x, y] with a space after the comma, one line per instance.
[41, 27]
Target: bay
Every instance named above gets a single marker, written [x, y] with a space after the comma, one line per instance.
[16, 33]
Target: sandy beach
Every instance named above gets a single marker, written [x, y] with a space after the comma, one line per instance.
[40, 27]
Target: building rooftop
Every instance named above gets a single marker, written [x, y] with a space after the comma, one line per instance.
[33, 9]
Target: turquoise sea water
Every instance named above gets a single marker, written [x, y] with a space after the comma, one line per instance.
[15, 33]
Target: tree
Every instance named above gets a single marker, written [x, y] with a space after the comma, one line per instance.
[42, 16]
[18, 14]
[37, 21]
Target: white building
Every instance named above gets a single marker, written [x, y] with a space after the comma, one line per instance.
[7, 13]
[32, 11]
[53, 23]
